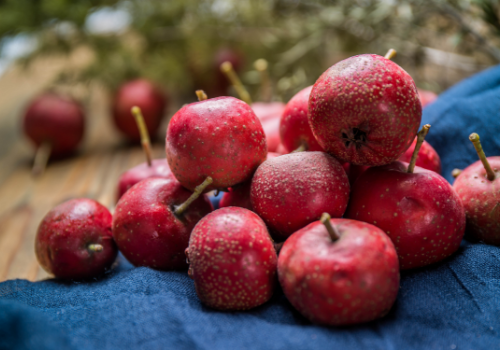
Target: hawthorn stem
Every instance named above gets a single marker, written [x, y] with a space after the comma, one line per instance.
[42, 156]
[455, 172]
[202, 96]
[261, 66]
[143, 130]
[197, 192]
[301, 148]
[95, 247]
[227, 69]
[420, 140]
[479, 149]
[325, 220]
[390, 54]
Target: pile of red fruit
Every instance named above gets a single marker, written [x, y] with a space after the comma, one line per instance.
[334, 240]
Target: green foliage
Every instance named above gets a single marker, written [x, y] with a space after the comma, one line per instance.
[174, 41]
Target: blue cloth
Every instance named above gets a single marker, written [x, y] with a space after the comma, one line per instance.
[454, 304]
[470, 106]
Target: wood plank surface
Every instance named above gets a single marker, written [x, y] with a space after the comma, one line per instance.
[92, 172]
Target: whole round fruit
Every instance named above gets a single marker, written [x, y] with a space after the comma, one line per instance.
[145, 95]
[74, 240]
[419, 211]
[158, 168]
[55, 119]
[347, 279]
[290, 191]
[478, 186]
[232, 260]
[146, 227]
[478, 195]
[219, 137]
[294, 126]
[365, 110]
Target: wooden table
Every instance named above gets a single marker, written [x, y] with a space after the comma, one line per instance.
[91, 173]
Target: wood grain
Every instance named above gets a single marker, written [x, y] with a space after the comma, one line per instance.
[92, 172]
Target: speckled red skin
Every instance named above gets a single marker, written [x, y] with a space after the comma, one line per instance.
[349, 281]
[63, 237]
[147, 231]
[426, 97]
[232, 260]
[56, 119]
[145, 95]
[294, 125]
[427, 157]
[480, 198]
[239, 195]
[290, 191]
[219, 137]
[365, 110]
[158, 168]
[420, 212]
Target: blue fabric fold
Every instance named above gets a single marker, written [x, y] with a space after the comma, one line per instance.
[473, 105]
[454, 304]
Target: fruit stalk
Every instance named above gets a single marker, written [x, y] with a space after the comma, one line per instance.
[325, 220]
[301, 148]
[479, 149]
[197, 192]
[261, 66]
[420, 140]
[227, 69]
[202, 96]
[455, 172]
[390, 54]
[146, 143]
[42, 156]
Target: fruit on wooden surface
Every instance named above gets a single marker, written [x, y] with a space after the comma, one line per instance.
[74, 240]
[145, 95]
[56, 120]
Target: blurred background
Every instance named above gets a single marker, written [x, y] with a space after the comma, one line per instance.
[87, 49]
